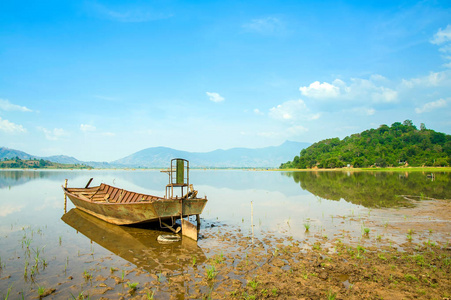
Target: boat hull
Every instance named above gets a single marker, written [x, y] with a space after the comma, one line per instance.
[160, 209]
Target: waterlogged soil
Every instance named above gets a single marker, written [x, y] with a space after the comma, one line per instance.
[400, 253]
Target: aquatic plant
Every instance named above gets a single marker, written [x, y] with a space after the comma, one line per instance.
[8, 292]
[25, 272]
[149, 295]
[409, 237]
[41, 290]
[133, 286]
[211, 273]
[382, 256]
[253, 283]
[360, 248]
[307, 226]
[87, 275]
[366, 231]
[331, 295]
[410, 231]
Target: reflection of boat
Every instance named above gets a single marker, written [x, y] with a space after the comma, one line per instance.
[121, 207]
[136, 245]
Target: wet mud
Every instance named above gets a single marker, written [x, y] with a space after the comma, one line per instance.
[401, 253]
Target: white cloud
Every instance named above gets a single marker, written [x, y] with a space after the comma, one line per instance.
[320, 90]
[442, 36]
[9, 127]
[215, 97]
[87, 127]
[358, 90]
[433, 79]
[430, 106]
[108, 134]
[258, 112]
[291, 111]
[8, 106]
[385, 95]
[53, 135]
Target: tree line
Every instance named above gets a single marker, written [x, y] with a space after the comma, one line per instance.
[388, 146]
[17, 163]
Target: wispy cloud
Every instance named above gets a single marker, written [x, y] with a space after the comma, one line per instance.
[431, 80]
[215, 97]
[11, 128]
[442, 36]
[265, 26]
[7, 209]
[289, 132]
[129, 14]
[8, 106]
[443, 39]
[87, 127]
[258, 112]
[55, 134]
[430, 106]
[292, 110]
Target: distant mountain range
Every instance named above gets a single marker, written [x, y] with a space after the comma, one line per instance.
[159, 157]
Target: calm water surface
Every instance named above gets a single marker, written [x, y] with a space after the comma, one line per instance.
[42, 246]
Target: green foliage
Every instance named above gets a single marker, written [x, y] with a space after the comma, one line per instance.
[398, 145]
[17, 163]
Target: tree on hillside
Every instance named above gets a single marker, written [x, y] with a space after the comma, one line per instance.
[386, 146]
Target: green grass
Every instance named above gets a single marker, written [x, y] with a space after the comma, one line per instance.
[253, 284]
[41, 290]
[133, 286]
[211, 273]
[307, 226]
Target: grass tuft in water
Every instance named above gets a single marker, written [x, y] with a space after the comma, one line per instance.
[211, 273]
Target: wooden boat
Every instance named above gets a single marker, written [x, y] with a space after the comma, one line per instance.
[122, 207]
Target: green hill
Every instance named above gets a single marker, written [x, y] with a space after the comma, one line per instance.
[398, 145]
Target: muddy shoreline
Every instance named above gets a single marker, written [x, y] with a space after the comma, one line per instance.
[401, 253]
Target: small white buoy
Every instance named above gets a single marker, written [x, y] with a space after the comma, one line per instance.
[168, 238]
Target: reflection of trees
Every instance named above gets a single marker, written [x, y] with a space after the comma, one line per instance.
[18, 177]
[374, 189]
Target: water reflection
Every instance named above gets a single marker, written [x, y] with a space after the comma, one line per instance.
[375, 189]
[137, 245]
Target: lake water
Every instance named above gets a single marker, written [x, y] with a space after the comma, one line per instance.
[40, 246]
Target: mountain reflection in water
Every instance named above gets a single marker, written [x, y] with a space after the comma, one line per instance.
[137, 245]
[375, 189]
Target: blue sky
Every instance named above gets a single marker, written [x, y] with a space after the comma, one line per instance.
[99, 80]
